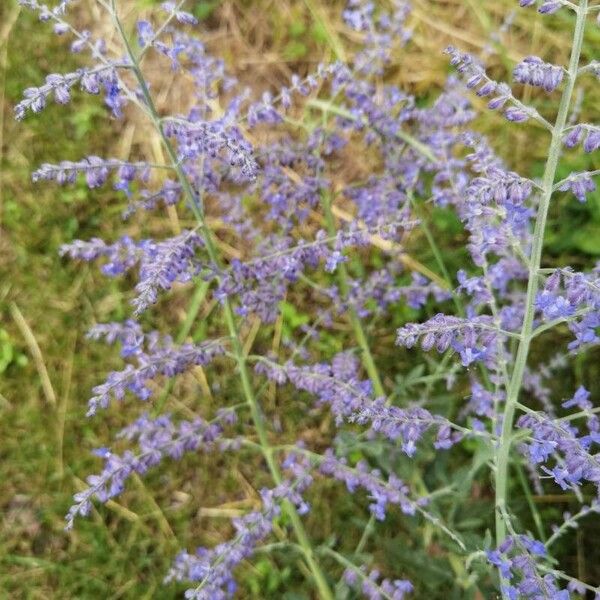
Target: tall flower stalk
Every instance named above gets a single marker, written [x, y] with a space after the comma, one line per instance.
[535, 260]
[255, 410]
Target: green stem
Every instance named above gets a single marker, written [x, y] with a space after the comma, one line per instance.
[355, 322]
[516, 380]
[437, 254]
[570, 523]
[400, 135]
[213, 253]
[352, 567]
[190, 317]
[537, 519]
[330, 34]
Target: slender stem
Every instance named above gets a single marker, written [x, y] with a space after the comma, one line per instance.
[579, 415]
[257, 417]
[192, 313]
[355, 322]
[565, 577]
[562, 181]
[364, 538]
[537, 519]
[330, 34]
[352, 567]
[414, 143]
[503, 455]
[261, 430]
[436, 253]
[571, 522]
[551, 324]
[433, 245]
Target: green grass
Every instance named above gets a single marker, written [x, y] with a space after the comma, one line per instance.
[124, 550]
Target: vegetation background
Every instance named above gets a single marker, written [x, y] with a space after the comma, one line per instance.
[47, 367]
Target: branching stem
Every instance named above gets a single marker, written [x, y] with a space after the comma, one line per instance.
[516, 380]
[257, 417]
[357, 328]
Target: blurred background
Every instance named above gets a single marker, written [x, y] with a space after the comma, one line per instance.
[47, 367]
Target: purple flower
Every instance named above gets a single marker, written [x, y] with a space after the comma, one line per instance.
[382, 493]
[383, 29]
[562, 442]
[374, 587]
[577, 133]
[120, 256]
[213, 569]
[129, 334]
[548, 8]
[515, 114]
[160, 358]
[156, 438]
[145, 33]
[573, 137]
[163, 263]
[406, 425]
[181, 16]
[534, 71]
[554, 307]
[592, 141]
[516, 559]
[59, 87]
[474, 339]
[580, 399]
[580, 184]
[95, 169]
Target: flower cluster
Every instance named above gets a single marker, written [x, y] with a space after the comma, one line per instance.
[575, 298]
[590, 135]
[406, 425]
[517, 560]
[157, 439]
[96, 171]
[579, 184]
[381, 492]
[213, 568]
[559, 441]
[261, 283]
[374, 587]
[534, 71]
[159, 357]
[500, 93]
[384, 31]
[381, 290]
[474, 339]
[58, 87]
[547, 7]
[336, 385]
[161, 263]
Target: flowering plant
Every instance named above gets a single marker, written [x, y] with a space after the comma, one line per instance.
[276, 226]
